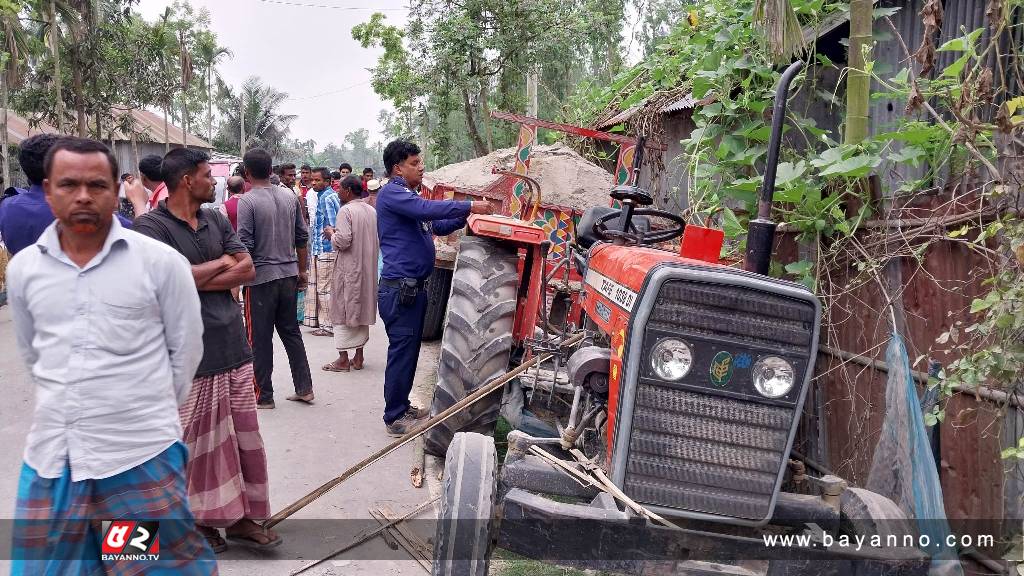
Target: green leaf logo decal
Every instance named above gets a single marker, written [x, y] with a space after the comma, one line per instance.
[721, 368]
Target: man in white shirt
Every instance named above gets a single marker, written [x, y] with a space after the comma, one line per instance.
[108, 323]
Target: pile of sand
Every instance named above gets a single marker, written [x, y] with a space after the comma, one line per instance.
[565, 177]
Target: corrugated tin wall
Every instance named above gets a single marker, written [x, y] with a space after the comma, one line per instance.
[977, 484]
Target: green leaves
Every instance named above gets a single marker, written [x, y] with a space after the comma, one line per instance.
[803, 271]
[789, 172]
[908, 154]
[981, 304]
[731, 224]
[846, 161]
[962, 44]
[1014, 452]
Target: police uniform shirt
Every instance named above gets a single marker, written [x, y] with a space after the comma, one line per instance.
[406, 226]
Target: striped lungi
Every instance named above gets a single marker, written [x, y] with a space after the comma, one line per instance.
[309, 315]
[58, 523]
[227, 466]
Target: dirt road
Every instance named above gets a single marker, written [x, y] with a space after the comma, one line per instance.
[306, 446]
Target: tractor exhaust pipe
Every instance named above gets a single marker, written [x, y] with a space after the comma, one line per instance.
[761, 231]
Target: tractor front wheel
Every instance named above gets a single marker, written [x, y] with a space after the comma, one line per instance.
[465, 526]
[477, 339]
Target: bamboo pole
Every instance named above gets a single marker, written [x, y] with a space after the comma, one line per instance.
[364, 538]
[858, 82]
[472, 398]
[997, 396]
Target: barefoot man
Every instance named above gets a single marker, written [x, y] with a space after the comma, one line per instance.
[354, 281]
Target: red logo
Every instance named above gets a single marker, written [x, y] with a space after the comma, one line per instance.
[130, 540]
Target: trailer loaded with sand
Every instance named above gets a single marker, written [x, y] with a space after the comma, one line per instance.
[566, 184]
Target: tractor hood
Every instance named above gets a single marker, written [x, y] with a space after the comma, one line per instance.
[708, 439]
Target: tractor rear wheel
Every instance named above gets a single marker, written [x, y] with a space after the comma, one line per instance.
[439, 287]
[477, 339]
[466, 524]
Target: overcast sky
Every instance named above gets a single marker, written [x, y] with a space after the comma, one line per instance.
[304, 48]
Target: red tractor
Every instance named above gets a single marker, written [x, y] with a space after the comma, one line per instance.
[684, 395]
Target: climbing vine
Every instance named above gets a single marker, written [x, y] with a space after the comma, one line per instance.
[957, 150]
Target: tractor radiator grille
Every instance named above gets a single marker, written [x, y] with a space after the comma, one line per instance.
[710, 449]
[705, 453]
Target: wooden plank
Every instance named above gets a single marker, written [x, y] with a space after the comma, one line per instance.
[412, 537]
[392, 532]
[418, 464]
[574, 130]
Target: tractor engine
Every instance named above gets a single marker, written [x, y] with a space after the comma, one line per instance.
[705, 379]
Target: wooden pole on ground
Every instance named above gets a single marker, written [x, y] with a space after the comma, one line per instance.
[364, 537]
[472, 398]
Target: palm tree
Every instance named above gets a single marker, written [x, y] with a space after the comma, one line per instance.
[15, 42]
[265, 126]
[209, 54]
[168, 52]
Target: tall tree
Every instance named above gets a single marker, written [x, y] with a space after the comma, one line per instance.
[167, 50]
[208, 55]
[54, 37]
[265, 125]
[452, 63]
[15, 45]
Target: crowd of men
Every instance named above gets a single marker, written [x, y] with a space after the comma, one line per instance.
[123, 296]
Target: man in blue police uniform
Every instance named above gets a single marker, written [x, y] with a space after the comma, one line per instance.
[406, 226]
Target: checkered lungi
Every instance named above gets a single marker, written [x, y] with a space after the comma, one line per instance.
[318, 296]
[58, 523]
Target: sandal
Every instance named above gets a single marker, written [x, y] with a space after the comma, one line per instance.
[332, 367]
[254, 536]
[321, 332]
[213, 538]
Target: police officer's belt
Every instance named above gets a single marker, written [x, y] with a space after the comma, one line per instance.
[397, 282]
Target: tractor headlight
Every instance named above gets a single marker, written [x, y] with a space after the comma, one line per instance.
[773, 376]
[671, 359]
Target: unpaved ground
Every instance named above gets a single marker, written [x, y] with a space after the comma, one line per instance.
[306, 446]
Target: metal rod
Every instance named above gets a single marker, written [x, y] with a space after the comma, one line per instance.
[998, 396]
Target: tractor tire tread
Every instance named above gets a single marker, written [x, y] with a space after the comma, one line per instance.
[477, 339]
[466, 525]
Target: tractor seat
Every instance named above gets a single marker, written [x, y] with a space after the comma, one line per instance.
[585, 236]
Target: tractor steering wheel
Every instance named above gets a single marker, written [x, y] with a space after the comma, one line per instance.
[634, 236]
